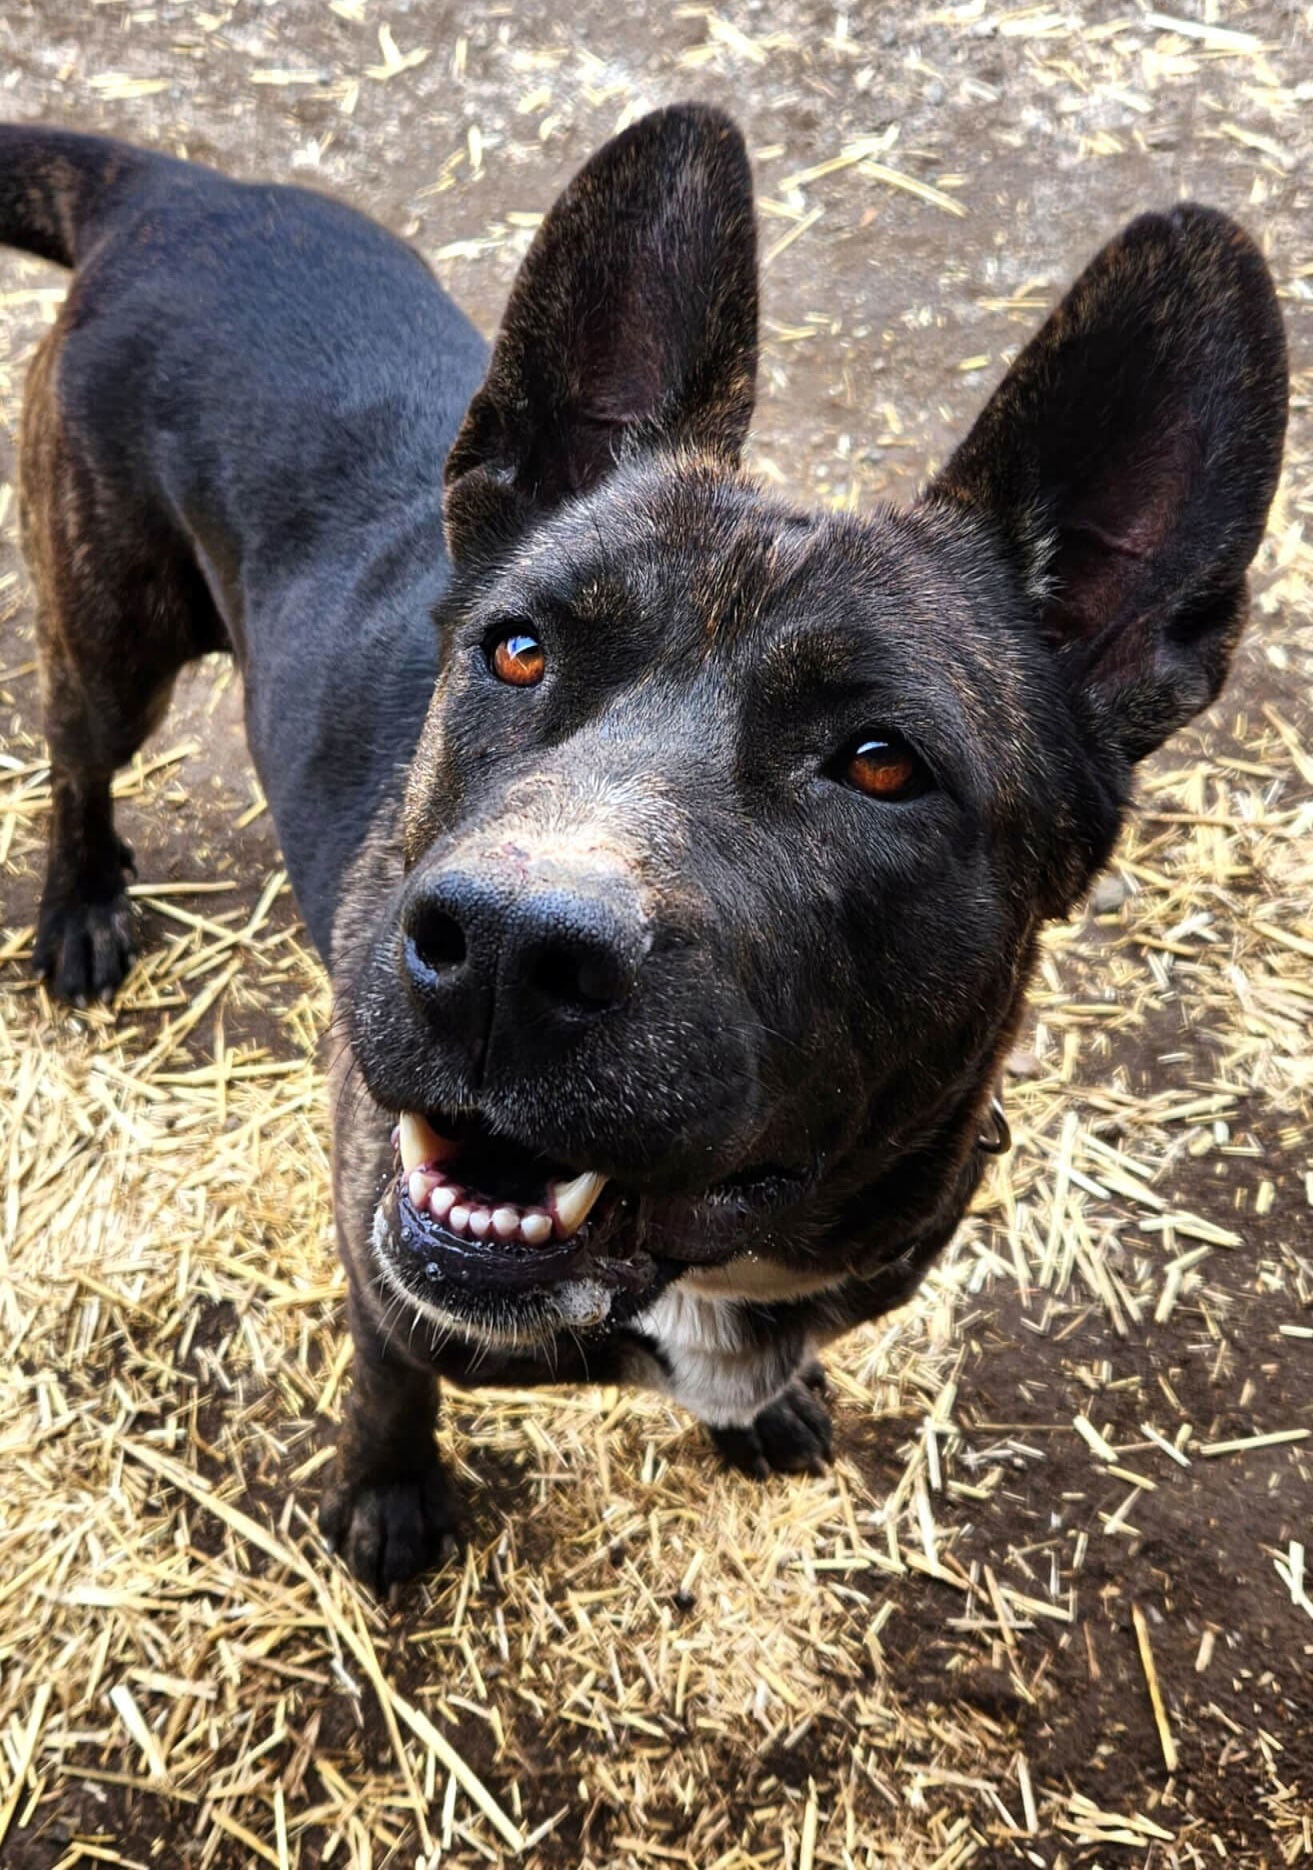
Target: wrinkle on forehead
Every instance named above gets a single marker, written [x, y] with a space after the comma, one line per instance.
[893, 608]
[765, 557]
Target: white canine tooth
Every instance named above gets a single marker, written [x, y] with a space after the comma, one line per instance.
[536, 1227]
[420, 1143]
[480, 1222]
[458, 1219]
[506, 1223]
[442, 1200]
[570, 1202]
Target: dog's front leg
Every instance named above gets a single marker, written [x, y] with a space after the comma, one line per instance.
[389, 1507]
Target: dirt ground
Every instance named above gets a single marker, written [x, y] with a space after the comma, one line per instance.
[1076, 1473]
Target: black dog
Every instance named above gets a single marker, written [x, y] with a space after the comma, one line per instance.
[679, 856]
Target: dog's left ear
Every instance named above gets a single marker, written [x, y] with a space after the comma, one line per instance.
[632, 324]
[1127, 463]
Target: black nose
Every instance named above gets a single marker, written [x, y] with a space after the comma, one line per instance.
[502, 962]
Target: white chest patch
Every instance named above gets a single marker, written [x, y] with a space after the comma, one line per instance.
[717, 1367]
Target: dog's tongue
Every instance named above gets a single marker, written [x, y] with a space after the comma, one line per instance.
[424, 1157]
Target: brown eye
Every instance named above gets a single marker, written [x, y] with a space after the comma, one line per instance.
[519, 659]
[885, 769]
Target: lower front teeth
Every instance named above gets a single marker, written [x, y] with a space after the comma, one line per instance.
[459, 1213]
[420, 1185]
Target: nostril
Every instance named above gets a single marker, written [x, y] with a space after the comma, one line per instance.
[480, 950]
[437, 939]
[582, 979]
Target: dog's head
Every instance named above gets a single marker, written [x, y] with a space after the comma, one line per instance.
[731, 826]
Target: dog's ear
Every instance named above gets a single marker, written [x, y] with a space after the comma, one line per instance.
[1127, 463]
[633, 323]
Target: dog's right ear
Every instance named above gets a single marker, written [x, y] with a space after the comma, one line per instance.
[632, 324]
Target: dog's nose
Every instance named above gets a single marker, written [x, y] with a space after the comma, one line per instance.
[488, 956]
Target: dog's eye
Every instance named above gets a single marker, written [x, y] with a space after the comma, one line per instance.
[518, 658]
[885, 767]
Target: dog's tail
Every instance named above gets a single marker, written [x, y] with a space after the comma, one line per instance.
[57, 186]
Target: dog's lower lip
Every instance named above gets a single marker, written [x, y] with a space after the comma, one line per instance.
[628, 1244]
[492, 1265]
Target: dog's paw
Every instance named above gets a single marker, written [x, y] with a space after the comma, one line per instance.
[83, 949]
[791, 1435]
[389, 1528]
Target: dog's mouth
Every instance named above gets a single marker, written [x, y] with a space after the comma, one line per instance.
[492, 1213]
[475, 1228]
[478, 1190]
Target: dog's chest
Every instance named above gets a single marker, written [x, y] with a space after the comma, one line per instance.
[713, 1347]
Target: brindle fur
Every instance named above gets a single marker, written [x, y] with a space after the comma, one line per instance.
[827, 984]
[102, 576]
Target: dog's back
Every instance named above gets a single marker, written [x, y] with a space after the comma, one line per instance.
[205, 312]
